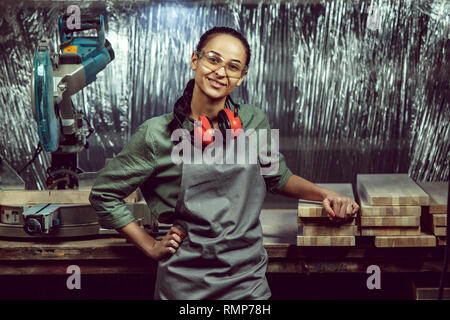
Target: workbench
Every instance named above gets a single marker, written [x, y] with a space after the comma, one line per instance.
[113, 255]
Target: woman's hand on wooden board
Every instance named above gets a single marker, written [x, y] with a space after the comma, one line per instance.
[340, 207]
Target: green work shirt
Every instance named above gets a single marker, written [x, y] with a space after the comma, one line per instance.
[146, 163]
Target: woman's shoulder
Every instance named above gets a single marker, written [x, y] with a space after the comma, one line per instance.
[251, 115]
[157, 124]
[152, 130]
[251, 109]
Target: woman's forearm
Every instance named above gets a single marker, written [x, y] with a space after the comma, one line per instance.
[300, 188]
[139, 238]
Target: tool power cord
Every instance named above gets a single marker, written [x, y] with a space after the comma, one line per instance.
[36, 153]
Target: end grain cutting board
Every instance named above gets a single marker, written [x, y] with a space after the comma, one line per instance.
[325, 241]
[438, 192]
[390, 189]
[389, 210]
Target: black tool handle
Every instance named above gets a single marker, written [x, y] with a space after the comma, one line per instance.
[87, 23]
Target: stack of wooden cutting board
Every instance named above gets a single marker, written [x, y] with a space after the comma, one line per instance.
[434, 217]
[391, 210]
[315, 227]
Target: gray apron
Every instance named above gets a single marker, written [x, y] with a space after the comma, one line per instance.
[222, 256]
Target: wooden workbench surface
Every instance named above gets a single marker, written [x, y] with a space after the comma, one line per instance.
[112, 254]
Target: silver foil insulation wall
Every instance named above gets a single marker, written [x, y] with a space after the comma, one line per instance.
[346, 98]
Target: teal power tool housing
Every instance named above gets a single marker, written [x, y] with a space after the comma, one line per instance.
[63, 131]
[41, 219]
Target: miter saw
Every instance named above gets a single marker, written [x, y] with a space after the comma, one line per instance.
[63, 131]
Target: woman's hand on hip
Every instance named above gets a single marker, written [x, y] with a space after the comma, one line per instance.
[169, 244]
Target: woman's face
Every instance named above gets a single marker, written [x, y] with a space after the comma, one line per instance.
[219, 83]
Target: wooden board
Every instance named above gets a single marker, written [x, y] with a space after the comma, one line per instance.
[325, 241]
[439, 231]
[390, 189]
[313, 210]
[387, 211]
[344, 189]
[32, 197]
[432, 294]
[438, 192]
[436, 229]
[424, 240]
[324, 221]
[390, 231]
[435, 220]
[404, 221]
[320, 230]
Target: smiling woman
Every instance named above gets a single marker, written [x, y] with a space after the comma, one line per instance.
[221, 62]
[214, 249]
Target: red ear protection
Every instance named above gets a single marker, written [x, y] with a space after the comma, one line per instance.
[205, 132]
[227, 119]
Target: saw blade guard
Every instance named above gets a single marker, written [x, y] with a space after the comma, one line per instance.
[47, 120]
